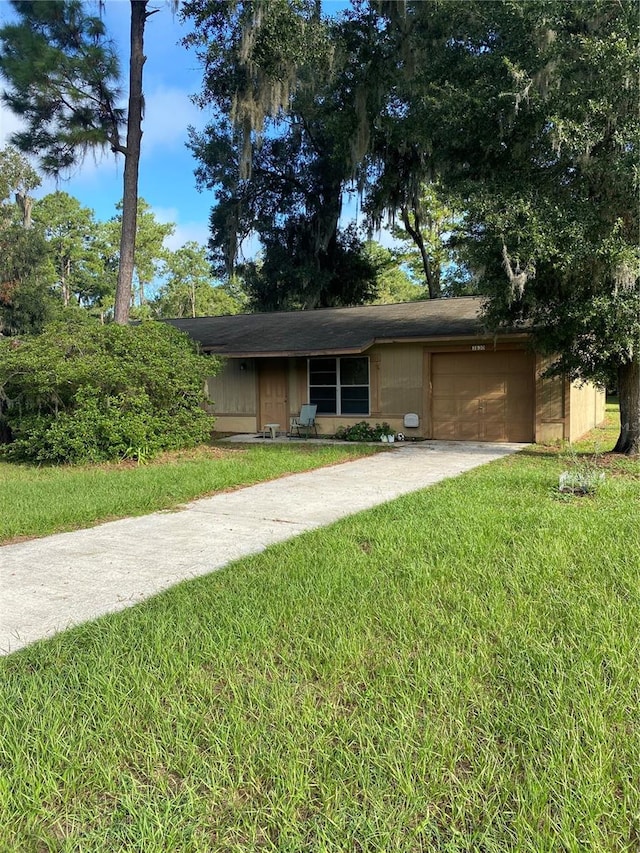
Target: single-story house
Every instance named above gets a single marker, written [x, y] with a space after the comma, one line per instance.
[428, 368]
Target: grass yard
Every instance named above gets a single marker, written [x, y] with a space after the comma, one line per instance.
[38, 500]
[456, 671]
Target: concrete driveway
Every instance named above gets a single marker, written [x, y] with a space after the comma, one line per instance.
[49, 584]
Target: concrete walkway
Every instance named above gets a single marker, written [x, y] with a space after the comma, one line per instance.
[49, 584]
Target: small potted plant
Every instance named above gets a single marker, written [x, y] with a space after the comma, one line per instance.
[387, 435]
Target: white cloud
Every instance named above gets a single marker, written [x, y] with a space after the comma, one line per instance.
[165, 214]
[168, 113]
[9, 124]
[196, 231]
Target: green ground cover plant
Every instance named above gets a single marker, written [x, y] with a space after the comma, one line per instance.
[363, 431]
[457, 670]
[38, 500]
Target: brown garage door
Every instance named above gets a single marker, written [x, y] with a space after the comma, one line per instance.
[483, 396]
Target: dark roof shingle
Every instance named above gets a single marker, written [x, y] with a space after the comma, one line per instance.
[334, 330]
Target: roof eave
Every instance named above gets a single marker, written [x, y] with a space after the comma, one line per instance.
[358, 350]
[286, 353]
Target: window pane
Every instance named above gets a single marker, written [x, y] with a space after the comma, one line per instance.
[324, 399]
[354, 400]
[323, 378]
[322, 371]
[354, 371]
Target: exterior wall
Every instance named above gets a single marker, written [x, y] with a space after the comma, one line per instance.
[551, 398]
[236, 423]
[395, 388]
[298, 390]
[565, 411]
[586, 409]
[402, 386]
[233, 393]
[400, 382]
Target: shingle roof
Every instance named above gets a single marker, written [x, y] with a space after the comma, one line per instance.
[334, 330]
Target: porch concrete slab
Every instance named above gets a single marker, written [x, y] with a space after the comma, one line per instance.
[52, 583]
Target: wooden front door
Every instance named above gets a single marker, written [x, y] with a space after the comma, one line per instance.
[273, 386]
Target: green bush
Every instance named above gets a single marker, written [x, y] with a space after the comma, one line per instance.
[83, 392]
[363, 431]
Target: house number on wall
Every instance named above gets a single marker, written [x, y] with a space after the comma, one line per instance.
[478, 347]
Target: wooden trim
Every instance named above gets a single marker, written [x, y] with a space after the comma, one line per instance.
[288, 353]
[480, 344]
[455, 342]
[566, 400]
[427, 396]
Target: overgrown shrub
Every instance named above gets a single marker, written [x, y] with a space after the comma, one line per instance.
[84, 392]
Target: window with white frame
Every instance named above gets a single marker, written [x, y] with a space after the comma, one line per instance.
[339, 386]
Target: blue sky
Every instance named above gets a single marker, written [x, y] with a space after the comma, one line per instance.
[171, 76]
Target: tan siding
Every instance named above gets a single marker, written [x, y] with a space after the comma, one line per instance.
[586, 409]
[298, 391]
[426, 420]
[401, 380]
[374, 381]
[238, 424]
[565, 410]
[233, 390]
[551, 404]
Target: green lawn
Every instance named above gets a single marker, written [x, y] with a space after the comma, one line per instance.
[456, 671]
[35, 501]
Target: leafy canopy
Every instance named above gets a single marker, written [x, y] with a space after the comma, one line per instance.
[63, 75]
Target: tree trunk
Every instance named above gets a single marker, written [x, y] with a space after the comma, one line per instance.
[64, 278]
[433, 280]
[25, 203]
[629, 396]
[131, 164]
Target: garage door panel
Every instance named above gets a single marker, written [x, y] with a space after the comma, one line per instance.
[449, 409]
[467, 408]
[466, 431]
[493, 385]
[447, 429]
[494, 408]
[483, 396]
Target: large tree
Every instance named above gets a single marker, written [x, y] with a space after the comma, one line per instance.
[72, 238]
[150, 252]
[524, 111]
[26, 297]
[17, 178]
[63, 74]
[189, 290]
[270, 65]
[550, 183]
